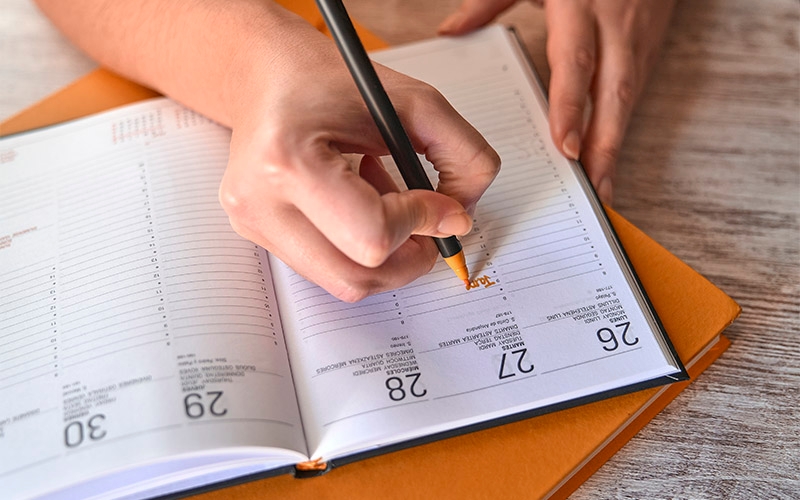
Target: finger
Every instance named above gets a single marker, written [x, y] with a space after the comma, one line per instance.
[293, 239]
[373, 171]
[472, 14]
[363, 224]
[466, 163]
[615, 91]
[571, 53]
[257, 212]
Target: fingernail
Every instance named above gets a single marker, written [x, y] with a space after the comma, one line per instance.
[572, 145]
[456, 224]
[605, 191]
[451, 23]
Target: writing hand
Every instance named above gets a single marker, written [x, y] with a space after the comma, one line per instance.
[284, 90]
[289, 188]
[600, 52]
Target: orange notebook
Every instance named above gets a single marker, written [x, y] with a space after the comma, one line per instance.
[546, 456]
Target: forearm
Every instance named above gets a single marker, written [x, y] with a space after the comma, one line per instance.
[203, 53]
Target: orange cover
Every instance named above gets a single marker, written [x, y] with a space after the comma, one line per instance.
[547, 455]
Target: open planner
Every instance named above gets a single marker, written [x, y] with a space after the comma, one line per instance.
[146, 348]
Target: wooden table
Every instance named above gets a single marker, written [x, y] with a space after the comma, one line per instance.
[710, 169]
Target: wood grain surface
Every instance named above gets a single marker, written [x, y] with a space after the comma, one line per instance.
[710, 169]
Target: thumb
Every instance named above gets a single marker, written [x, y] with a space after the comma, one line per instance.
[427, 213]
[472, 14]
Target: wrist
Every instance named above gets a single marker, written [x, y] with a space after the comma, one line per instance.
[270, 50]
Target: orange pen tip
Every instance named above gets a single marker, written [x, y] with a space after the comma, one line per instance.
[458, 263]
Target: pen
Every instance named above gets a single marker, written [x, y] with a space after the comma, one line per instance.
[385, 116]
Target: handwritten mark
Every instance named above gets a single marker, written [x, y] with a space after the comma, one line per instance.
[484, 281]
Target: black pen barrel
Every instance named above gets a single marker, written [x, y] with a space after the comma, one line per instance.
[371, 89]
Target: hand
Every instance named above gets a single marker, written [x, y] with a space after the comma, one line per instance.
[289, 188]
[294, 110]
[600, 53]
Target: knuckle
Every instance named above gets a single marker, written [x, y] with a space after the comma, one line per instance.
[353, 292]
[359, 285]
[625, 91]
[374, 249]
[232, 198]
[584, 60]
[607, 153]
[489, 161]
[572, 108]
[429, 92]
[425, 99]
[361, 282]
[277, 166]
[273, 172]
[484, 165]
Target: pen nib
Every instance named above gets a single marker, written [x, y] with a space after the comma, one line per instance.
[458, 264]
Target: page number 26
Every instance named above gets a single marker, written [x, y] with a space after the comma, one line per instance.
[609, 339]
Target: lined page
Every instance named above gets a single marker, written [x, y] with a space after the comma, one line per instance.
[134, 323]
[549, 315]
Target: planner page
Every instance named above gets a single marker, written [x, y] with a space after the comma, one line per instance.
[552, 312]
[135, 325]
